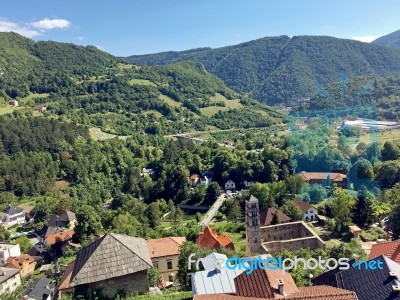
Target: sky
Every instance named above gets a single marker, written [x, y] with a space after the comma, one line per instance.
[128, 27]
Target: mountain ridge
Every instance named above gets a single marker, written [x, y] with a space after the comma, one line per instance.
[391, 40]
[277, 69]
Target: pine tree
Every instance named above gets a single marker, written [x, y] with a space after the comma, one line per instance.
[275, 219]
[363, 212]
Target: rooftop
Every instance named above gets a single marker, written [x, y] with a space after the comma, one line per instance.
[334, 176]
[13, 210]
[304, 206]
[167, 246]
[267, 215]
[7, 273]
[109, 256]
[40, 289]
[54, 238]
[389, 249]
[209, 238]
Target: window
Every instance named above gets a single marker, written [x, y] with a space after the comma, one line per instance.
[155, 264]
[169, 265]
[171, 278]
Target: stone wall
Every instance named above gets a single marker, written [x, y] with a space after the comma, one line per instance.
[135, 283]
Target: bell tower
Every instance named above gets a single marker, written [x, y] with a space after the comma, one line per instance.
[253, 233]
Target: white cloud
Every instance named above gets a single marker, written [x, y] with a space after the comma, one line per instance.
[47, 24]
[8, 26]
[365, 39]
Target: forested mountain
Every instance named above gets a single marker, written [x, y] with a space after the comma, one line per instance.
[94, 88]
[381, 94]
[390, 40]
[278, 69]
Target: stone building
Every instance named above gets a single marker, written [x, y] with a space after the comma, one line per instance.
[274, 238]
[112, 264]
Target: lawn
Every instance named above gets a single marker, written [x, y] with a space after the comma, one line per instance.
[384, 136]
[135, 81]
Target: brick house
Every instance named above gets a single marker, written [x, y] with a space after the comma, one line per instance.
[324, 178]
[24, 263]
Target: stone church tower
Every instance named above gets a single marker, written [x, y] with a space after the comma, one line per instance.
[253, 233]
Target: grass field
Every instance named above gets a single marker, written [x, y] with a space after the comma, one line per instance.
[98, 135]
[7, 109]
[229, 104]
[169, 101]
[156, 113]
[141, 82]
[384, 136]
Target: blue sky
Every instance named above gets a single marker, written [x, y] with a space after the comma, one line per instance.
[125, 27]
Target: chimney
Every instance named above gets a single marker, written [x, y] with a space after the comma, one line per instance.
[280, 286]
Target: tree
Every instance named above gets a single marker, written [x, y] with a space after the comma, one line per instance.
[294, 184]
[275, 219]
[154, 276]
[293, 211]
[154, 214]
[41, 212]
[24, 243]
[363, 212]
[4, 234]
[390, 151]
[233, 210]
[342, 206]
[89, 223]
[351, 250]
[212, 193]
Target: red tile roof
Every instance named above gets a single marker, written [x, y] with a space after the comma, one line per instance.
[209, 238]
[264, 283]
[304, 206]
[167, 246]
[18, 261]
[321, 292]
[60, 237]
[267, 215]
[389, 249]
[335, 177]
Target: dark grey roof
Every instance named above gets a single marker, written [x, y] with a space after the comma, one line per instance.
[13, 210]
[40, 289]
[8, 273]
[110, 256]
[370, 284]
[67, 216]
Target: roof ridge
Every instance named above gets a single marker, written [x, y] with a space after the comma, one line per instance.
[140, 256]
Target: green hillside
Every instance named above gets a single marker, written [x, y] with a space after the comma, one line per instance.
[279, 69]
[382, 94]
[390, 40]
[91, 87]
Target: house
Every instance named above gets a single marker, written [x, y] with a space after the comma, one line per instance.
[164, 254]
[12, 215]
[355, 231]
[147, 172]
[40, 108]
[59, 237]
[41, 289]
[248, 184]
[230, 185]
[216, 278]
[389, 249]
[28, 211]
[194, 180]
[9, 280]
[111, 264]
[209, 238]
[324, 178]
[205, 180]
[267, 215]
[7, 250]
[274, 284]
[272, 239]
[13, 102]
[67, 219]
[380, 283]
[24, 263]
[309, 212]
